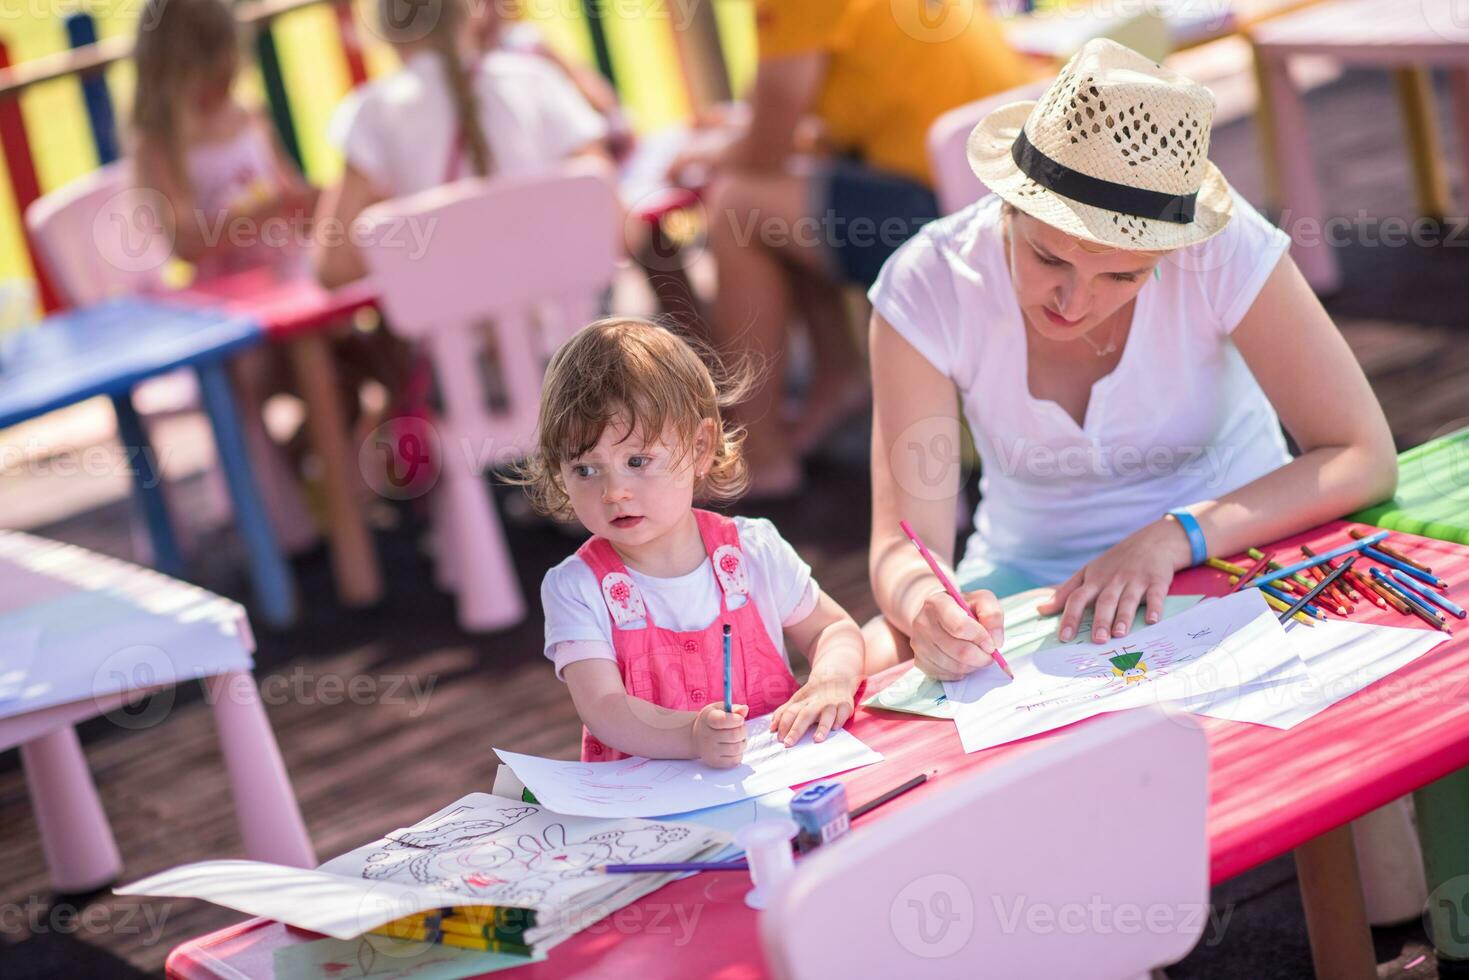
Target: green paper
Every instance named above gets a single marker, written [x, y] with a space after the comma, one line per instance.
[1026, 631]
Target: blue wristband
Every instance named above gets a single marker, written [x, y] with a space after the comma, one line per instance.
[1196, 542]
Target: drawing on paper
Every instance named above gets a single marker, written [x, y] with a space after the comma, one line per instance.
[1130, 667]
[484, 857]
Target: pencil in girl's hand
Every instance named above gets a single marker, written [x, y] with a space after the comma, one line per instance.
[728, 702]
[949, 588]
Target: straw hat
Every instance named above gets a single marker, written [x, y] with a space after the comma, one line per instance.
[1115, 152]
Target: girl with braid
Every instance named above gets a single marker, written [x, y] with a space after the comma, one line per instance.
[447, 113]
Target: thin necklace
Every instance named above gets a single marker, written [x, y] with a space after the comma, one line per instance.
[1109, 348]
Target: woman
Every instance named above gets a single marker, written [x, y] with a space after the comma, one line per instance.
[1126, 335]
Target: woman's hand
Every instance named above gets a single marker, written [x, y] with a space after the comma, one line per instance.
[719, 735]
[950, 643]
[825, 700]
[1138, 569]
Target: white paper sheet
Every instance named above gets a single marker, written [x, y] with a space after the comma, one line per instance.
[1220, 644]
[646, 787]
[480, 850]
[1336, 659]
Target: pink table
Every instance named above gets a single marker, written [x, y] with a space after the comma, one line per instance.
[296, 311]
[1406, 37]
[1271, 792]
[104, 634]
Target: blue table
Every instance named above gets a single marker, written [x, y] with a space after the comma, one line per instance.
[108, 349]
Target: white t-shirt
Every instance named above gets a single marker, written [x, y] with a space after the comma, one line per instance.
[399, 130]
[781, 587]
[1180, 419]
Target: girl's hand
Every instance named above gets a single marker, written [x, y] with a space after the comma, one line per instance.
[1137, 569]
[825, 700]
[719, 735]
[948, 643]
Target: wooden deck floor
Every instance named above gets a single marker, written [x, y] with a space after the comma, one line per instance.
[442, 699]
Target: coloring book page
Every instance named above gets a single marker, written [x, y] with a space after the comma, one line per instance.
[479, 850]
[1219, 644]
[1026, 631]
[647, 787]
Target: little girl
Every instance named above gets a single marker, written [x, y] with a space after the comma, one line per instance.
[217, 164]
[630, 435]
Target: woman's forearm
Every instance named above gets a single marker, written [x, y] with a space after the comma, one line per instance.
[1320, 485]
[902, 579]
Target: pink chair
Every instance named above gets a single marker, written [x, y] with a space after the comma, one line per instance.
[1086, 857]
[515, 265]
[955, 182]
[98, 239]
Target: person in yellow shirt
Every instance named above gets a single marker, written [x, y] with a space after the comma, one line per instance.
[827, 179]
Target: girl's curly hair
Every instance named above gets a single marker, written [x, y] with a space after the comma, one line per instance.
[650, 377]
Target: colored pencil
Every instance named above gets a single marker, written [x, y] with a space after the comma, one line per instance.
[1416, 607]
[1332, 593]
[1389, 596]
[1279, 606]
[891, 794]
[1444, 602]
[1250, 573]
[1324, 556]
[1286, 600]
[1347, 581]
[1225, 566]
[728, 702]
[676, 867]
[1276, 566]
[1391, 562]
[1382, 547]
[1320, 588]
[949, 588]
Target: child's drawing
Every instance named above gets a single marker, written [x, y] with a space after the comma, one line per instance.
[512, 855]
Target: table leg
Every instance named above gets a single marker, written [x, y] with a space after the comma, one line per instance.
[354, 557]
[1442, 809]
[1459, 93]
[1415, 98]
[1302, 215]
[75, 836]
[274, 583]
[148, 481]
[265, 805]
[1336, 915]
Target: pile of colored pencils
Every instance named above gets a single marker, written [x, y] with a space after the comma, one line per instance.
[1328, 583]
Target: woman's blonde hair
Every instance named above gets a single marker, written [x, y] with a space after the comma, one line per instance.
[1096, 248]
[179, 44]
[633, 370]
[445, 24]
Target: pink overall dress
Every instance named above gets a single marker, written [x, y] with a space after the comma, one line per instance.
[685, 671]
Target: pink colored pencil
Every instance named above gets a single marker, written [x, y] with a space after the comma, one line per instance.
[1252, 571]
[949, 588]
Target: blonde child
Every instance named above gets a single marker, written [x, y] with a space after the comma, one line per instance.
[631, 434]
[217, 164]
[450, 112]
[233, 200]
